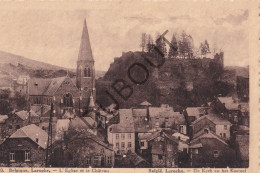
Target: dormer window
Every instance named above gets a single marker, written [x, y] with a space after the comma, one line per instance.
[36, 84]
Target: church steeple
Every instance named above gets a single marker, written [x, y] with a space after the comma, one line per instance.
[85, 65]
[85, 52]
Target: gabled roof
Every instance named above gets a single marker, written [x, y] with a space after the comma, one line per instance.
[126, 124]
[209, 134]
[145, 103]
[22, 114]
[85, 52]
[38, 86]
[213, 118]
[196, 111]
[33, 132]
[54, 85]
[82, 123]
[229, 103]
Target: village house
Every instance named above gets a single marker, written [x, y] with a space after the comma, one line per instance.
[228, 107]
[122, 135]
[162, 149]
[165, 117]
[26, 147]
[209, 150]
[16, 120]
[216, 124]
[104, 118]
[193, 113]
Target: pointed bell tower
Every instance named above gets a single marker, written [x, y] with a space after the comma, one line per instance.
[85, 65]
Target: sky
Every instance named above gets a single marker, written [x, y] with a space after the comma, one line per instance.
[53, 35]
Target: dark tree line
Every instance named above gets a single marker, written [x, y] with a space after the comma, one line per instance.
[184, 44]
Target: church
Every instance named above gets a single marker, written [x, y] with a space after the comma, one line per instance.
[69, 96]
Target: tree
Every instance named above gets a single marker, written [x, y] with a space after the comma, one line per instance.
[143, 41]
[186, 45]
[173, 51]
[150, 44]
[204, 48]
[161, 45]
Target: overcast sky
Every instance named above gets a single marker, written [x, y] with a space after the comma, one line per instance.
[53, 36]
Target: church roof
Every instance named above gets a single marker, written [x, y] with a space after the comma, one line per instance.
[38, 86]
[85, 52]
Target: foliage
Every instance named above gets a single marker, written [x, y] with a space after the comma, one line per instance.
[173, 51]
[143, 41]
[186, 46]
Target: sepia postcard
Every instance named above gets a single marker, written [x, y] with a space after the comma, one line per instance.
[129, 86]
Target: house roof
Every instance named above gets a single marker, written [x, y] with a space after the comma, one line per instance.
[3, 118]
[142, 126]
[196, 111]
[145, 103]
[33, 132]
[23, 114]
[229, 103]
[82, 123]
[210, 135]
[213, 118]
[243, 146]
[126, 124]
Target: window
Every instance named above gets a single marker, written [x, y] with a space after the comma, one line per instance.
[117, 136]
[160, 157]
[122, 145]
[196, 151]
[181, 129]
[27, 155]
[109, 160]
[225, 127]
[215, 153]
[67, 100]
[102, 150]
[117, 145]
[129, 136]
[221, 134]
[122, 136]
[95, 160]
[88, 161]
[129, 144]
[87, 72]
[12, 157]
[17, 126]
[10, 126]
[224, 135]
[142, 144]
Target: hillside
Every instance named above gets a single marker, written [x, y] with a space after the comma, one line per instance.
[12, 66]
[179, 82]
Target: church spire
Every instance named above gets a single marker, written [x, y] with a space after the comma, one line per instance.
[85, 52]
